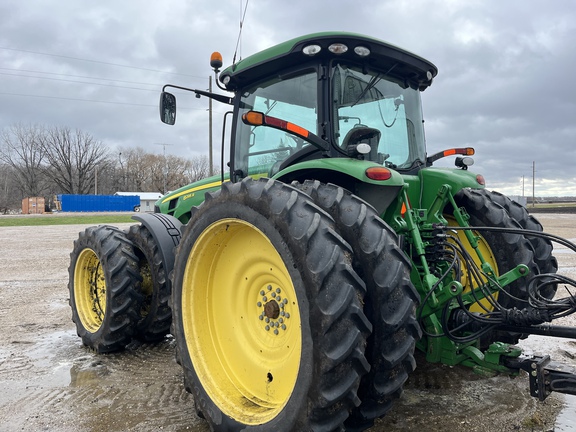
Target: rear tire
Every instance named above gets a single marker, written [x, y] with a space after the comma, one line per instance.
[155, 313]
[103, 285]
[390, 303]
[252, 361]
[509, 250]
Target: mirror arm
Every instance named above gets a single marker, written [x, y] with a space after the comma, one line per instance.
[217, 97]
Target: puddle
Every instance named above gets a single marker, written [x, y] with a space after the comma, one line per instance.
[54, 383]
[564, 351]
[566, 420]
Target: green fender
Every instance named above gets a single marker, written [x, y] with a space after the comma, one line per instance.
[424, 186]
[350, 174]
[179, 202]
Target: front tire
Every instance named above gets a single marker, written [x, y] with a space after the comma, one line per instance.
[155, 313]
[267, 312]
[103, 285]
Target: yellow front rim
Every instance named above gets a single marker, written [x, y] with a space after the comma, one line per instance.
[466, 280]
[241, 321]
[89, 290]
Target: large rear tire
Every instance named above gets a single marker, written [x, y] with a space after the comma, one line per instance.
[155, 313]
[507, 251]
[267, 312]
[103, 285]
[543, 257]
[390, 302]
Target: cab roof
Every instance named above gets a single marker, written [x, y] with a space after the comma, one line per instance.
[404, 66]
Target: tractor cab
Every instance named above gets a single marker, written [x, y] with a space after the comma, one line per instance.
[326, 95]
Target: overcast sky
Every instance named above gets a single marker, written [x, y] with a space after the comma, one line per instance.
[506, 82]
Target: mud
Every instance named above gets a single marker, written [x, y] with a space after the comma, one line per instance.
[50, 382]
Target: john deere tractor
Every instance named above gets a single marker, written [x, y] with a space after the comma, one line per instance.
[299, 283]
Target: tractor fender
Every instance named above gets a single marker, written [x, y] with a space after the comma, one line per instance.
[166, 231]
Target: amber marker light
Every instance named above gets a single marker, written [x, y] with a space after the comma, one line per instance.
[378, 173]
[253, 118]
[216, 60]
[468, 151]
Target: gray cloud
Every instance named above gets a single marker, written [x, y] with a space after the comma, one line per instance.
[505, 82]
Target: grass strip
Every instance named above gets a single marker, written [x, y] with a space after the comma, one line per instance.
[49, 219]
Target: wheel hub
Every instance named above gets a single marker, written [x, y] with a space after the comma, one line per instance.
[272, 307]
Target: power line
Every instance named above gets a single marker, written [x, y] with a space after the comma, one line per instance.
[80, 82]
[93, 101]
[81, 76]
[97, 61]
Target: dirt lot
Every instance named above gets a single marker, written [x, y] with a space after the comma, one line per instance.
[50, 382]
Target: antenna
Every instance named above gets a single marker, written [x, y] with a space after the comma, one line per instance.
[243, 14]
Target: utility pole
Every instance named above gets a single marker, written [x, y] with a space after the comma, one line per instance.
[165, 166]
[533, 181]
[96, 180]
[210, 127]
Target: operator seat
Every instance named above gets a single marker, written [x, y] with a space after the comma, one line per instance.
[363, 134]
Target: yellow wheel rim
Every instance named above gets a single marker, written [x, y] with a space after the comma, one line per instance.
[241, 321]
[89, 290]
[489, 257]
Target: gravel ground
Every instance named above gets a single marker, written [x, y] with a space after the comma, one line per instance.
[50, 382]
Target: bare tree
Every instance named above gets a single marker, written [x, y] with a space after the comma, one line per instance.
[136, 169]
[22, 151]
[10, 196]
[74, 158]
[199, 168]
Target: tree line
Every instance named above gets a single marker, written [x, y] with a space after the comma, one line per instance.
[41, 161]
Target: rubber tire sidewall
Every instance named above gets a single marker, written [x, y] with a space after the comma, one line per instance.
[509, 251]
[298, 412]
[390, 303]
[120, 267]
[156, 324]
[543, 257]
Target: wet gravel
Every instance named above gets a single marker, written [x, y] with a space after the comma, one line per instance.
[50, 382]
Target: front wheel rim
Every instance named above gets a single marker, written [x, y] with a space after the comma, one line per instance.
[90, 290]
[241, 321]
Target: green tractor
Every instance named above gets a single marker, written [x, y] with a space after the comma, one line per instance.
[299, 284]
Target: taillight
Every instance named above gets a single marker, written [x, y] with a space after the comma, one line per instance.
[378, 173]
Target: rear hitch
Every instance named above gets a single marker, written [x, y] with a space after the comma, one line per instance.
[546, 376]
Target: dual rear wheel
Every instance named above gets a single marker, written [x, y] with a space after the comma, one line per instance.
[292, 310]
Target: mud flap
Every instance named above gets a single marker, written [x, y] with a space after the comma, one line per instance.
[167, 232]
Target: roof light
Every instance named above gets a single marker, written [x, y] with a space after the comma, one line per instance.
[363, 148]
[311, 50]
[337, 48]
[464, 162]
[225, 79]
[378, 173]
[216, 61]
[362, 51]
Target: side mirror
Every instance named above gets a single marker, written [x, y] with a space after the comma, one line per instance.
[168, 108]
